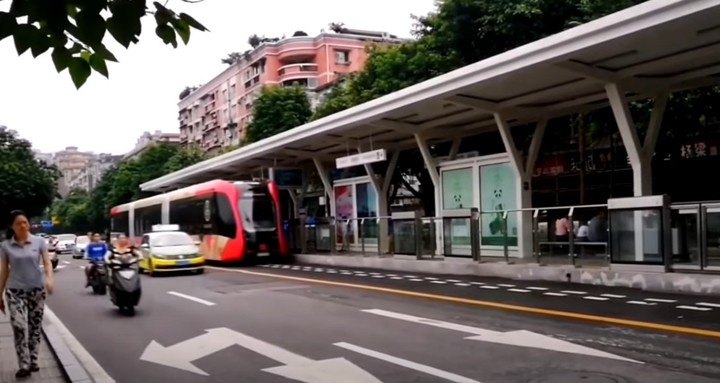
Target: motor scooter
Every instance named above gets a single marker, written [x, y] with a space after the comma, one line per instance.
[98, 278]
[124, 282]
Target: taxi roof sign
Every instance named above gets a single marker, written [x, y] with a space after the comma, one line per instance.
[166, 228]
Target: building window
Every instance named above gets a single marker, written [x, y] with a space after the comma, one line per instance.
[342, 57]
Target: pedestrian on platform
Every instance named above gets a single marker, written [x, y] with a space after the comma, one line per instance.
[25, 287]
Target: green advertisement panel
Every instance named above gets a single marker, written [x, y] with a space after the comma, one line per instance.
[498, 191]
[457, 188]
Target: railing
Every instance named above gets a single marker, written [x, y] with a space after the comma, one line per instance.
[489, 235]
[297, 68]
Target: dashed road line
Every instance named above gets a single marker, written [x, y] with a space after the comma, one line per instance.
[641, 303]
[574, 292]
[477, 283]
[708, 304]
[537, 288]
[462, 284]
[489, 287]
[416, 280]
[378, 276]
[438, 282]
[555, 294]
[695, 308]
[519, 290]
[613, 296]
[396, 277]
[592, 298]
[657, 300]
[505, 285]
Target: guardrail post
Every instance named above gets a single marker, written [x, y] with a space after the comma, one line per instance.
[571, 236]
[418, 235]
[475, 234]
[361, 235]
[536, 236]
[506, 246]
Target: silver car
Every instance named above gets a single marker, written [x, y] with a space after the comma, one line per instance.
[65, 243]
[80, 245]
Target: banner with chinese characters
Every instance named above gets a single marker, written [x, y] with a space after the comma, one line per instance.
[699, 149]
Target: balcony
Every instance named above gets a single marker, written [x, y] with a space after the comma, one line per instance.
[297, 70]
[296, 53]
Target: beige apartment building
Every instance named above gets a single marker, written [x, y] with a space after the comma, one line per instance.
[216, 114]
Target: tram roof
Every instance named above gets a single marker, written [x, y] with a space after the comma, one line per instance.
[659, 45]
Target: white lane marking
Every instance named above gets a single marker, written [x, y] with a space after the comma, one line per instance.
[573, 292]
[296, 268]
[613, 296]
[191, 298]
[375, 273]
[596, 298]
[416, 280]
[361, 275]
[708, 304]
[332, 272]
[658, 300]
[286, 267]
[519, 290]
[693, 308]
[410, 276]
[396, 277]
[505, 285]
[537, 288]
[555, 294]
[67, 262]
[91, 366]
[453, 280]
[275, 266]
[82, 267]
[391, 275]
[462, 284]
[431, 278]
[449, 376]
[641, 303]
[378, 276]
[319, 270]
[477, 283]
[346, 273]
[489, 287]
[438, 282]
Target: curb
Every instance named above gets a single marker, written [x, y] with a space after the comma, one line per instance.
[75, 362]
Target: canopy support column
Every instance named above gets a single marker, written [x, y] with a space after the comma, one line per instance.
[435, 177]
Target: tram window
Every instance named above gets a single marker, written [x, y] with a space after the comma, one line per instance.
[189, 214]
[257, 212]
[224, 218]
[146, 217]
[121, 222]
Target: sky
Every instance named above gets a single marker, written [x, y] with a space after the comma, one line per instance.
[109, 115]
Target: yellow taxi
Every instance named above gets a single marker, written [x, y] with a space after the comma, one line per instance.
[168, 249]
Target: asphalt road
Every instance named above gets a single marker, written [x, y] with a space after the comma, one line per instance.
[260, 323]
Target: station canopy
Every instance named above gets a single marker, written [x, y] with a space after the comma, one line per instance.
[657, 46]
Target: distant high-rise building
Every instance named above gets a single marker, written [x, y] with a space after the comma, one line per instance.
[147, 139]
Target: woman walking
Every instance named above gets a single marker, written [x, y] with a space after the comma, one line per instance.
[21, 277]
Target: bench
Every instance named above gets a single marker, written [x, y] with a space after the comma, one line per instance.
[582, 245]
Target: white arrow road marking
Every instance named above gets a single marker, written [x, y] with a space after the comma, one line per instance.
[449, 376]
[191, 298]
[295, 367]
[519, 338]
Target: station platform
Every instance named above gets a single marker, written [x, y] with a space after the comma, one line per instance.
[675, 282]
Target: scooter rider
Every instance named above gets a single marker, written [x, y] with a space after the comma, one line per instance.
[121, 247]
[95, 251]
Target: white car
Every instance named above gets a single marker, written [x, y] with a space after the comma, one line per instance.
[65, 243]
[80, 244]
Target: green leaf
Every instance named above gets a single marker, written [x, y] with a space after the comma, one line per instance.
[104, 53]
[119, 30]
[192, 22]
[85, 55]
[98, 64]
[7, 24]
[61, 58]
[24, 37]
[79, 71]
[167, 34]
[162, 14]
[182, 29]
[41, 45]
[91, 26]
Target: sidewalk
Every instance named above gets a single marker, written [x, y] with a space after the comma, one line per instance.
[50, 371]
[684, 283]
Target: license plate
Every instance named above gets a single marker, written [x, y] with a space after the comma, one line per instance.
[127, 274]
[263, 254]
[183, 263]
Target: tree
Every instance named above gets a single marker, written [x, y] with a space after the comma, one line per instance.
[299, 33]
[276, 110]
[184, 158]
[73, 212]
[337, 27]
[186, 92]
[75, 31]
[27, 183]
[232, 58]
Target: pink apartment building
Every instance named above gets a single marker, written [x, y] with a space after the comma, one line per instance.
[216, 114]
